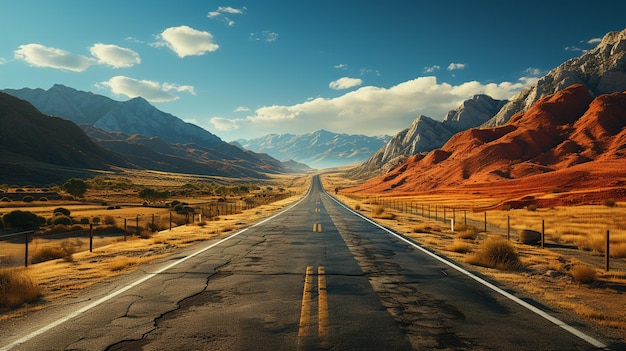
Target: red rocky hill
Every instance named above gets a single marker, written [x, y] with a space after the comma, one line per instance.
[568, 148]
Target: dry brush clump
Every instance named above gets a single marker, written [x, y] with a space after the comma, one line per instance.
[583, 274]
[17, 287]
[496, 252]
[460, 246]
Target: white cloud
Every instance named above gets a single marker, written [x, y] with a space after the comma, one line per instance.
[456, 66]
[149, 90]
[220, 14]
[266, 35]
[186, 41]
[2, 61]
[345, 83]
[594, 41]
[369, 110]
[242, 109]
[533, 72]
[432, 69]
[225, 124]
[42, 56]
[114, 55]
[341, 66]
[573, 48]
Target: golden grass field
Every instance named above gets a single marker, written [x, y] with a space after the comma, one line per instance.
[551, 275]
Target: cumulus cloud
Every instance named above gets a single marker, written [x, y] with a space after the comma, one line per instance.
[456, 66]
[186, 41]
[149, 90]
[114, 55]
[345, 83]
[242, 109]
[225, 124]
[369, 110]
[42, 56]
[432, 69]
[341, 66]
[222, 10]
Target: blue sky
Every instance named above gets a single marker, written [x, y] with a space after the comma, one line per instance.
[243, 69]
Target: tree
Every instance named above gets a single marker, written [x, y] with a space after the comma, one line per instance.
[151, 195]
[76, 187]
[22, 219]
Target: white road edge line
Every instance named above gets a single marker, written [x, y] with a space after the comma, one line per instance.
[569, 328]
[139, 281]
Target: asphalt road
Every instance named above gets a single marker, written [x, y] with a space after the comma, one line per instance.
[314, 277]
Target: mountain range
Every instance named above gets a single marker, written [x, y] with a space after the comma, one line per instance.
[148, 138]
[320, 149]
[601, 70]
[568, 142]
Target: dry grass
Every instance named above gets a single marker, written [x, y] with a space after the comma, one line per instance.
[495, 252]
[17, 287]
[583, 274]
[121, 263]
[460, 246]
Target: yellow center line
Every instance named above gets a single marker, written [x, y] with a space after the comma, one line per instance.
[305, 314]
[322, 306]
[317, 227]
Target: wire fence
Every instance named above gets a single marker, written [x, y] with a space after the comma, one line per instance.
[33, 246]
[485, 222]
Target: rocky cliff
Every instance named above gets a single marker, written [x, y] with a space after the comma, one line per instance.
[602, 70]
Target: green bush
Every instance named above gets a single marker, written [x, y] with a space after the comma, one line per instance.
[28, 198]
[22, 219]
[61, 219]
[63, 211]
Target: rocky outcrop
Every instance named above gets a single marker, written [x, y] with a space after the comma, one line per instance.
[426, 134]
[602, 70]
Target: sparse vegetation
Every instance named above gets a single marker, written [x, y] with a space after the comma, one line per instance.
[583, 274]
[17, 287]
[460, 246]
[495, 252]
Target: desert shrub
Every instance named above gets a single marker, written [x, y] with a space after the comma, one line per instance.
[17, 287]
[531, 207]
[28, 198]
[65, 250]
[63, 211]
[22, 219]
[61, 219]
[496, 252]
[84, 220]
[529, 237]
[5, 199]
[357, 207]
[43, 199]
[609, 203]
[109, 220]
[58, 228]
[459, 246]
[467, 232]
[583, 274]
[201, 223]
[378, 210]
[422, 229]
[95, 220]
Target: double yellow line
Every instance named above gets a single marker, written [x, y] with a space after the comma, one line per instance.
[306, 324]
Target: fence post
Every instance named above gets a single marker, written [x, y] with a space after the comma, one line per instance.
[436, 212]
[607, 254]
[543, 233]
[485, 221]
[137, 225]
[170, 220]
[90, 237]
[125, 231]
[25, 249]
[465, 217]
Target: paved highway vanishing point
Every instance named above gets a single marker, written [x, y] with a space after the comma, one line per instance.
[316, 276]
